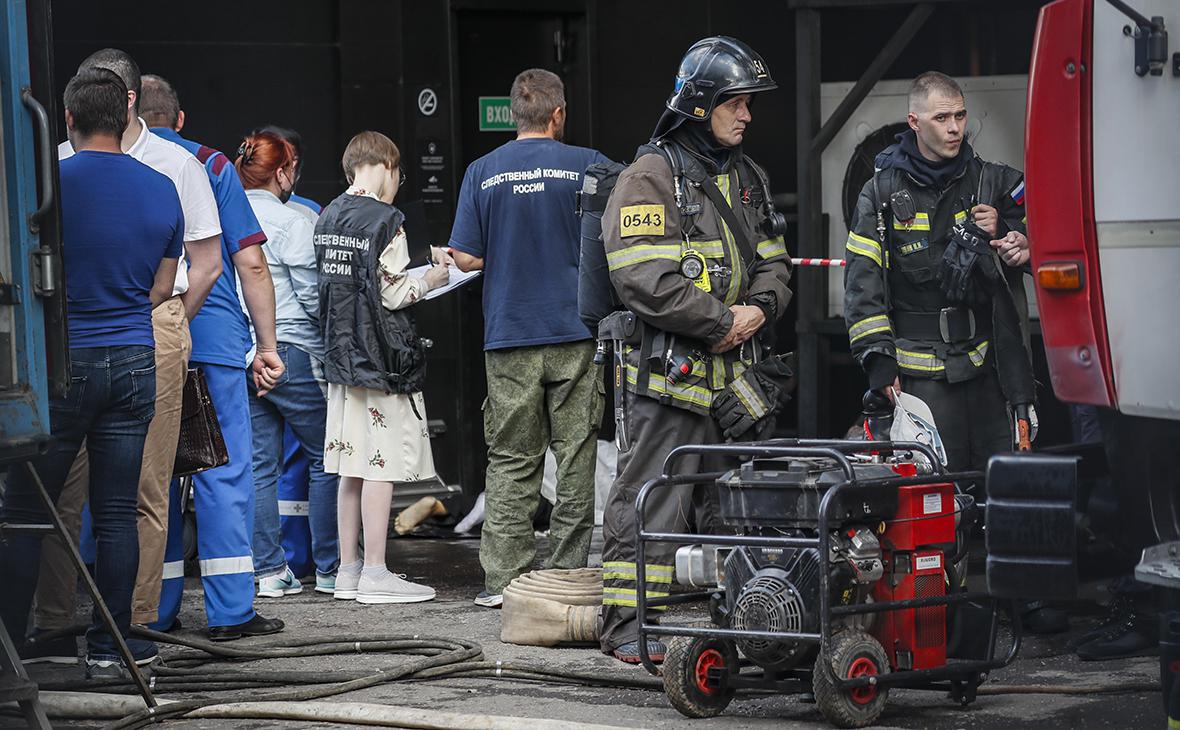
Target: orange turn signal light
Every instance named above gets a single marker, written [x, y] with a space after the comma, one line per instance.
[1065, 276]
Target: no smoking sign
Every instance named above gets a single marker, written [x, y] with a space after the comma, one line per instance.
[427, 102]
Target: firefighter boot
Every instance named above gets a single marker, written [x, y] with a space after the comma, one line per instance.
[1137, 634]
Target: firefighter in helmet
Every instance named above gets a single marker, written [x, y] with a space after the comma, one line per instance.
[696, 253]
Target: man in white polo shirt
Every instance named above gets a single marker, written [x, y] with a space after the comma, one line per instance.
[198, 270]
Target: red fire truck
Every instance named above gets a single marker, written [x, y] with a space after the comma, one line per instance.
[1103, 181]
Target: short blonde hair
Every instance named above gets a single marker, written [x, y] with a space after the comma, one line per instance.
[369, 148]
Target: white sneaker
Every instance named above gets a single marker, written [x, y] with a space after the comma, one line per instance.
[346, 583]
[386, 587]
[277, 586]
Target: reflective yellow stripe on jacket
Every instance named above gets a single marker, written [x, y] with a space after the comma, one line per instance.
[695, 394]
[640, 253]
[708, 249]
[922, 362]
[772, 247]
[864, 246]
[869, 326]
[921, 222]
[735, 257]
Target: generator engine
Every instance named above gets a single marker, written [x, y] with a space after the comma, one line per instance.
[889, 546]
[778, 591]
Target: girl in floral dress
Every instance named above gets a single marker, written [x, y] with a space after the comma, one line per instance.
[374, 438]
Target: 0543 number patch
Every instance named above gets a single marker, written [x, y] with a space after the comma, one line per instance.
[641, 220]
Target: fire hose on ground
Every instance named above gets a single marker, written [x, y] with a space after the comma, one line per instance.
[542, 608]
[436, 658]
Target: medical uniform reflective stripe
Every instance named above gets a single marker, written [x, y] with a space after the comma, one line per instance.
[864, 246]
[772, 247]
[869, 326]
[173, 569]
[708, 249]
[920, 361]
[694, 394]
[960, 216]
[641, 252]
[921, 222]
[978, 354]
[293, 508]
[227, 566]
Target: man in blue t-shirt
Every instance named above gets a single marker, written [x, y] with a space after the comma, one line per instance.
[224, 497]
[516, 222]
[122, 235]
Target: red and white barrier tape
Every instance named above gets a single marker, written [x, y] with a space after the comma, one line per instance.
[817, 262]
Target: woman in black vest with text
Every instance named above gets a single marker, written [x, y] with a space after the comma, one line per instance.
[374, 364]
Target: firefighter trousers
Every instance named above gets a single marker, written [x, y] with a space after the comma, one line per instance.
[654, 431]
[971, 416]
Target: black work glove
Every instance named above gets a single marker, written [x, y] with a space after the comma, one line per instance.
[968, 250]
[747, 407]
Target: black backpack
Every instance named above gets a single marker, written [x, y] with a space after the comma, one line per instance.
[596, 295]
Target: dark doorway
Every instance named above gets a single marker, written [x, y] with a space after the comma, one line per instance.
[494, 46]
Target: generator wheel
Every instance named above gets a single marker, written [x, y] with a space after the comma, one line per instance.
[851, 653]
[686, 668]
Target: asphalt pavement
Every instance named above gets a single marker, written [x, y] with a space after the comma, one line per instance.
[452, 567]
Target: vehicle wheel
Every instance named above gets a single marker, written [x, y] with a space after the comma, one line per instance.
[850, 654]
[686, 669]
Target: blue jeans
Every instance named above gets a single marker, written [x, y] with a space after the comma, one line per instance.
[296, 401]
[111, 400]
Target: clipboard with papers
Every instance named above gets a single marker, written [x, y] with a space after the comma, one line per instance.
[458, 279]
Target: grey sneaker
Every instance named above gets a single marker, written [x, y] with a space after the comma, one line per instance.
[386, 587]
[105, 668]
[489, 600]
[346, 583]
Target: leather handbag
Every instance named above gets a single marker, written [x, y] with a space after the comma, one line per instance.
[201, 444]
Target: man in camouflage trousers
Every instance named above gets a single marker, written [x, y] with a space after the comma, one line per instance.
[516, 222]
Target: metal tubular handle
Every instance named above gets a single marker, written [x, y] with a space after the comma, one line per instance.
[45, 147]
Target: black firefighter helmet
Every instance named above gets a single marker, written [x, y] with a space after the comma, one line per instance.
[713, 68]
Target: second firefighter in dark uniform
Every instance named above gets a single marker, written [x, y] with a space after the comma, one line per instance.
[701, 291]
[930, 306]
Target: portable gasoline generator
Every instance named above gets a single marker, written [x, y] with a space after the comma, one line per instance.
[841, 573]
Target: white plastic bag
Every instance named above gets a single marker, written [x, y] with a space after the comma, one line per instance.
[913, 421]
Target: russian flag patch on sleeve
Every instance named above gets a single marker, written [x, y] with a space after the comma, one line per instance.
[1018, 194]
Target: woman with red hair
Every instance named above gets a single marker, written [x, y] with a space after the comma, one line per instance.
[266, 164]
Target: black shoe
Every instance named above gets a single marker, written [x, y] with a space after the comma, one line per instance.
[1119, 611]
[1137, 637]
[257, 626]
[62, 650]
[1038, 618]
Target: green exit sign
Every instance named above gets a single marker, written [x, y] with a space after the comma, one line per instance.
[495, 114]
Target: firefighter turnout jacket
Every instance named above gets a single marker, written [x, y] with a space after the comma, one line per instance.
[652, 224]
[894, 305]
